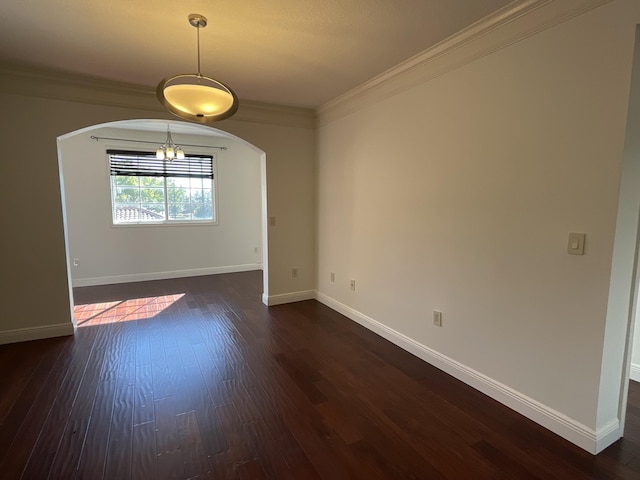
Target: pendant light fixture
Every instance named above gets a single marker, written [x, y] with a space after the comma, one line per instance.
[169, 150]
[195, 97]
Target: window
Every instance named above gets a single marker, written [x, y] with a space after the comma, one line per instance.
[147, 190]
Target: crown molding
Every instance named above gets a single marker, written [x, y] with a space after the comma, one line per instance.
[31, 81]
[58, 85]
[517, 21]
[258, 112]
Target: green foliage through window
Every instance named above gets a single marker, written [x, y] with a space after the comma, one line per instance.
[138, 198]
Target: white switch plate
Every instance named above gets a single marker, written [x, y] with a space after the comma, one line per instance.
[576, 244]
[352, 284]
[437, 318]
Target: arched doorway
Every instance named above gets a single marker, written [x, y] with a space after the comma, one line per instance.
[172, 251]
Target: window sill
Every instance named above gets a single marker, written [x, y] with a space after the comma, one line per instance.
[177, 223]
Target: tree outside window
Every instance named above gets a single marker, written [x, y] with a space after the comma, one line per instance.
[148, 190]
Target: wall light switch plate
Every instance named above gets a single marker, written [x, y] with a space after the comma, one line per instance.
[576, 244]
[437, 318]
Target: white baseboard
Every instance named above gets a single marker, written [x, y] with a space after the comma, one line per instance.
[605, 436]
[36, 333]
[635, 371]
[568, 428]
[288, 297]
[141, 277]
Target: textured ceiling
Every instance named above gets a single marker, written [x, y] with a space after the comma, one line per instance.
[289, 52]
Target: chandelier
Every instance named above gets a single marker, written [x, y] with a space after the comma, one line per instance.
[195, 97]
[169, 150]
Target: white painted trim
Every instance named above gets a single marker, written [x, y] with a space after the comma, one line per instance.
[36, 333]
[635, 372]
[557, 422]
[291, 297]
[141, 277]
[515, 22]
[606, 435]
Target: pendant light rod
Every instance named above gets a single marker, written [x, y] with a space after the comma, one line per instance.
[198, 36]
[169, 139]
[198, 21]
[93, 137]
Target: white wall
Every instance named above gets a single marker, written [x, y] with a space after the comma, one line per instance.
[458, 194]
[109, 254]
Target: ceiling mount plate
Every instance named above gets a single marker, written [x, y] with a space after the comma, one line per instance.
[197, 20]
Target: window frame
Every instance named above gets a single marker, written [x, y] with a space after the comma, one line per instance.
[165, 222]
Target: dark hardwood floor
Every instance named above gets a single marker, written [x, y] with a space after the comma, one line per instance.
[195, 378]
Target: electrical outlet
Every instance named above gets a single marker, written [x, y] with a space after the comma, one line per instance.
[294, 272]
[437, 318]
[333, 277]
[352, 284]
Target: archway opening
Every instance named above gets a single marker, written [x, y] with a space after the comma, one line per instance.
[100, 250]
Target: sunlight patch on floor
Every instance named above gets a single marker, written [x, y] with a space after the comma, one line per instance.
[123, 310]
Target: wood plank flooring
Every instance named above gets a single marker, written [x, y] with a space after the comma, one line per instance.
[195, 379]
